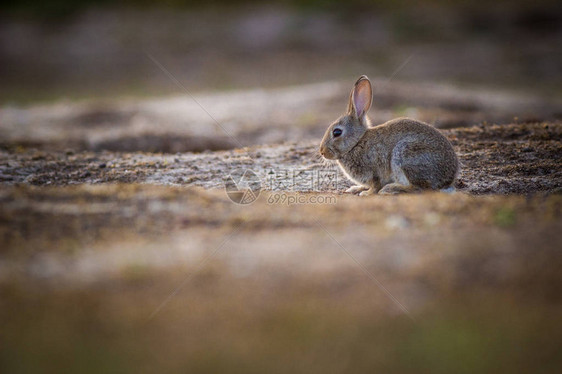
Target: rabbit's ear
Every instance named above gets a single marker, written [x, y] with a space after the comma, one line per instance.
[361, 97]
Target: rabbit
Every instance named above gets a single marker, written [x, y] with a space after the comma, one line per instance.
[399, 156]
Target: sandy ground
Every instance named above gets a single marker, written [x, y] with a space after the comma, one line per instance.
[226, 120]
[115, 258]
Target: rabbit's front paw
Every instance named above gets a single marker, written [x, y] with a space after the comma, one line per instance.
[370, 191]
[356, 189]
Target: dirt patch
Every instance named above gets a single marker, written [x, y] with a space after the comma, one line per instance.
[496, 159]
[524, 158]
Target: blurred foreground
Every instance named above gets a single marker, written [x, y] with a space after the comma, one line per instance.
[137, 278]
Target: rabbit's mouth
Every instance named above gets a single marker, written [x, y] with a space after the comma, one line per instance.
[327, 153]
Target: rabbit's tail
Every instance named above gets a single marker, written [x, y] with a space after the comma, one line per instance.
[450, 190]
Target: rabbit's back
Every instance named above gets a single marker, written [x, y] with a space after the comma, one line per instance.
[405, 148]
[397, 129]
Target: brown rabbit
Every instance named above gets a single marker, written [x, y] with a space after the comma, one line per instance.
[401, 155]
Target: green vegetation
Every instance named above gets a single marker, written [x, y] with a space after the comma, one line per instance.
[505, 217]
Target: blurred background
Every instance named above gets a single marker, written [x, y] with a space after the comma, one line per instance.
[67, 49]
[287, 63]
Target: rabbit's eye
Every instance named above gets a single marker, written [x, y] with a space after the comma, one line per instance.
[336, 132]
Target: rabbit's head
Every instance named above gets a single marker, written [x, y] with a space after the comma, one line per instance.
[343, 134]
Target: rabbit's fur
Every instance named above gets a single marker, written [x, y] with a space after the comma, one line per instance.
[401, 155]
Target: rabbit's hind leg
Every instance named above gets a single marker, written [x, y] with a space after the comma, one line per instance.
[396, 188]
[400, 182]
[414, 165]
